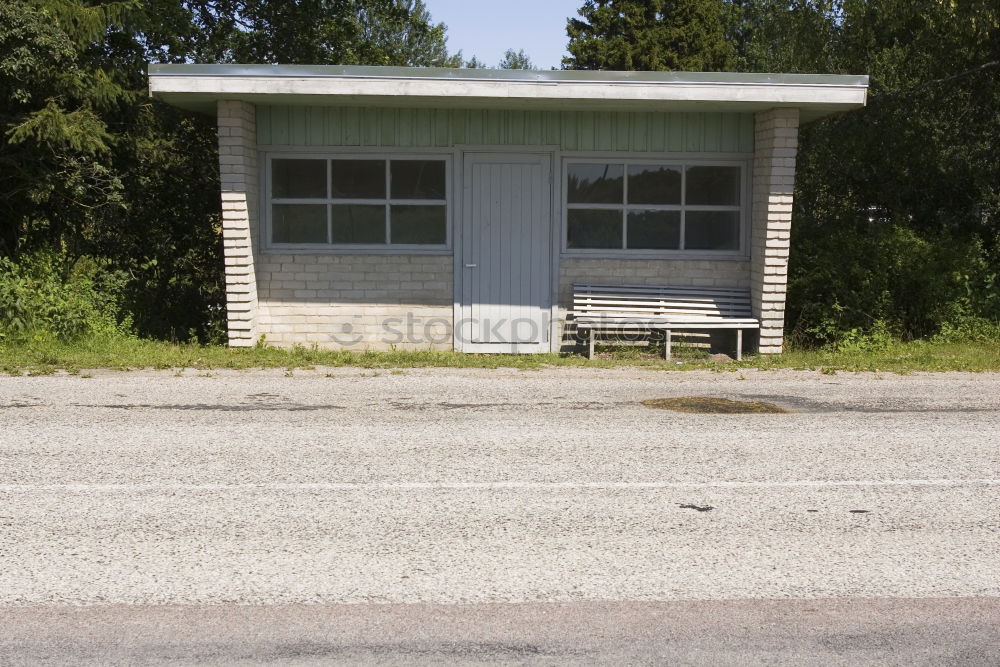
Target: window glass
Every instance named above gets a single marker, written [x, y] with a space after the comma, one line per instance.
[713, 186]
[419, 225]
[418, 179]
[654, 184]
[298, 223]
[594, 228]
[596, 184]
[358, 223]
[357, 179]
[298, 179]
[654, 230]
[635, 206]
[712, 230]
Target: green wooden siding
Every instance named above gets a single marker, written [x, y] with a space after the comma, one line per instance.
[571, 130]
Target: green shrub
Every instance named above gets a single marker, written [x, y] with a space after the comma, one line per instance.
[45, 295]
[878, 338]
[969, 329]
[847, 282]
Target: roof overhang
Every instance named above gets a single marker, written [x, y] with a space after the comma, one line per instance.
[199, 87]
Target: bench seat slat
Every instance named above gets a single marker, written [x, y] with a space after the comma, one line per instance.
[662, 323]
[664, 308]
[586, 287]
[647, 307]
[667, 301]
[672, 326]
[678, 316]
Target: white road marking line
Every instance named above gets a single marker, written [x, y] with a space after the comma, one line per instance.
[497, 486]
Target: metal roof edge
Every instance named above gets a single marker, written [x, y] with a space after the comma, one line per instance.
[506, 76]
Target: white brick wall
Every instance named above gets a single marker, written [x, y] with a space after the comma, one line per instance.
[356, 301]
[775, 147]
[239, 178]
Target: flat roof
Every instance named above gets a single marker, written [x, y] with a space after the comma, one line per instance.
[199, 87]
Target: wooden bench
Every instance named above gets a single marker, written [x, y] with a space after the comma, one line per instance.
[631, 308]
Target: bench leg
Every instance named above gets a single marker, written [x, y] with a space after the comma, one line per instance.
[666, 346]
[739, 344]
[590, 344]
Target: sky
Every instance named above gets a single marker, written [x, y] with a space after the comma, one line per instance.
[487, 28]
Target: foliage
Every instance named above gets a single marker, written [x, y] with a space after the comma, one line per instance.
[53, 181]
[44, 296]
[320, 32]
[90, 167]
[649, 35]
[898, 204]
[511, 60]
[871, 272]
[969, 330]
[515, 60]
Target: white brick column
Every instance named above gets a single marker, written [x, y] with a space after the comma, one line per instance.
[776, 141]
[239, 178]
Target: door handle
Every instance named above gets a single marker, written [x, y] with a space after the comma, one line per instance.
[471, 266]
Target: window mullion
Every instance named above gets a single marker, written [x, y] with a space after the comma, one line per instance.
[418, 202]
[388, 199]
[625, 206]
[329, 207]
[599, 207]
[683, 239]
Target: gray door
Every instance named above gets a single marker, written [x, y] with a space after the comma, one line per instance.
[506, 281]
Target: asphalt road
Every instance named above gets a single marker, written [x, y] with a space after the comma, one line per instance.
[475, 516]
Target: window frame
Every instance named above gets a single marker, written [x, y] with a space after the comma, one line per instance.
[744, 163]
[326, 155]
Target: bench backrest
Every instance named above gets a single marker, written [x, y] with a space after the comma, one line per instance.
[652, 300]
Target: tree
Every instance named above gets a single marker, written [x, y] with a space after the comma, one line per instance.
[908, 189]
[511, 60]
[92, 170]
[54, 182]
[515, 60]
[649, 35]
[322, 32]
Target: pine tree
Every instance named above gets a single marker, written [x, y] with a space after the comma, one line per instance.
[649, 35]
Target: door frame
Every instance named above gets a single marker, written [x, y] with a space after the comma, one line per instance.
[551, 152]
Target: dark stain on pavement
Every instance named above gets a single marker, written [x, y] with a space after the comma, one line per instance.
[363, 652]
[217, 407]
[713, 405]
[579, 405]
[697, 508]
[903, 405]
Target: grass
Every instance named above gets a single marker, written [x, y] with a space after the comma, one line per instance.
[899, 357]
[47, 355]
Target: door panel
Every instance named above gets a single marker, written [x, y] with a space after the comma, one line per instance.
[506, 258]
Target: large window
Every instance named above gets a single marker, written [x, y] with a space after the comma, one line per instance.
[651, 207]
[359, 202]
